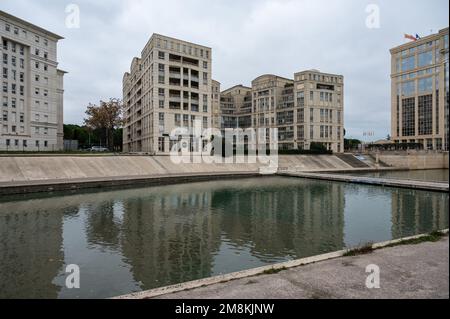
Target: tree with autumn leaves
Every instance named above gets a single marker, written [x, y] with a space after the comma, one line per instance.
[106, 117]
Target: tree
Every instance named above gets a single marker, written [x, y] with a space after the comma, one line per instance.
[107, 117]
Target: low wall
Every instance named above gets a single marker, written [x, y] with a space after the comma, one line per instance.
[416, 161]
[66, 168]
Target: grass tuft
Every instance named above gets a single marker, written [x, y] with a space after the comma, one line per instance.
[273, 270]
[362, 250]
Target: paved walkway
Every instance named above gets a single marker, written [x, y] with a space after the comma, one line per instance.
[403, 183]
[408, 271]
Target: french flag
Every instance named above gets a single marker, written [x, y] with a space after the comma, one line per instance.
[411, 37]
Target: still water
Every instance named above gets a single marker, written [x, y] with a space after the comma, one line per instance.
[137, 239]
[429, 175]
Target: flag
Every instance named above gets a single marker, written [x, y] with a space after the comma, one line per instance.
[410, 37]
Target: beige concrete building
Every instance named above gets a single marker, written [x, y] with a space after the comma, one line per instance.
[32, 94]
[168, 86]
[215, 100]
[236, 107]
[419, 92]
[306, 109]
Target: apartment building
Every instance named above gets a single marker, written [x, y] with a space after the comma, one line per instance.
[215, 102]
[32, 93]
[236, 107]
[307, 109]
[169, 86]
[419, 92]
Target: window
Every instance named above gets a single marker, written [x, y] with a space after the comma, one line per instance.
[13, 88]
[16, 31]
[13, 103]
[13, 47]
[36, 77]
[36, 91]
[5, 101]
[5, 73]
[7, 27]
[425, 59]
[45, 143]
[311, 132]
[5, 58]
[36, 65]
[425, 84]
[408, 88]
[45, 92]
[205, 78]
[408, 116]
[408, 63]
[205, 122]
[5, 87]
[22, 63]
[13, 61]
[311, 115]
[22, 50]
[24, 143]
[311, 96]
[5, 44]
[45, 55]
[22, 116]
[45, 42]
[425, 107]
[21, 77]
[45, 67]
[37, 143]
[177, 119]
[205, 64]
[161, 55]
[22, 90]
[36, 51]
[36, 39]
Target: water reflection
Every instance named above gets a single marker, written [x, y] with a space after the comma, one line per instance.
[137, 239]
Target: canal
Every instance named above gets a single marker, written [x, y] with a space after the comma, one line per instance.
[137, 239]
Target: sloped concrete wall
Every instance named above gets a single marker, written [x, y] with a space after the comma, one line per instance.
[79, 167]
[417, 161]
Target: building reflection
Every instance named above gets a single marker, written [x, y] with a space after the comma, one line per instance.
[31, 250]
[276, 221]
[417, 212]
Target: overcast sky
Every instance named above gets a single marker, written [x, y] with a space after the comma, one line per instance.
[248, 38]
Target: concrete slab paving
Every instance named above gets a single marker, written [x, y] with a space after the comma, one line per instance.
[406, 271]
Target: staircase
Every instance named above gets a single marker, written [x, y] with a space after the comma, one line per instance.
[352, 160]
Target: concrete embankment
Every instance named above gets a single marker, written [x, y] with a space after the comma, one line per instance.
[34, 174]
[24, 174]
[405, 271]
[412, 184]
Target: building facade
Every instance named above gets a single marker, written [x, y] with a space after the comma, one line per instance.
[215, 100]
[307, 109]
[32, 93]
[168, 87]
[419, 92]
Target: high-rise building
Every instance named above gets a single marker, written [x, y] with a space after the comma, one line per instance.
[215, 100]
[307, 109]
[419, 92]
[168, 87]
[31, 116]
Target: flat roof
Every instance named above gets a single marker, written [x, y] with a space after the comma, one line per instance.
[28, 24]
[420, 41]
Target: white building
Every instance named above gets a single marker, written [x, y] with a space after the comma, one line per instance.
[31, 115]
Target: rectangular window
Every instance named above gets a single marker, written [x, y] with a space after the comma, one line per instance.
[408, 116]
[425, 110]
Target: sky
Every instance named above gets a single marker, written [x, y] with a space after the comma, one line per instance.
[248, 38]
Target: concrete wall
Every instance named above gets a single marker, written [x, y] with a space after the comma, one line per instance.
[416, 161]
[42, 168]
